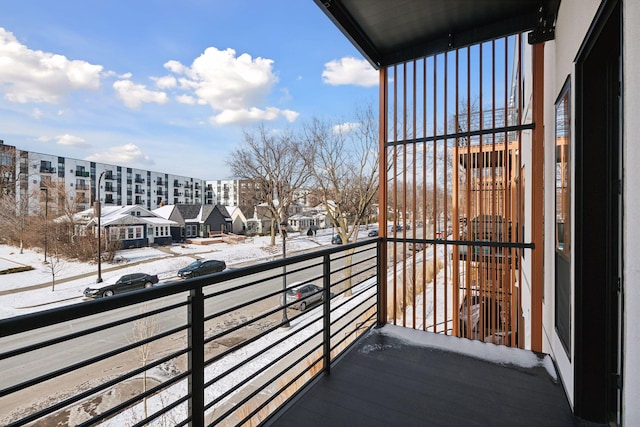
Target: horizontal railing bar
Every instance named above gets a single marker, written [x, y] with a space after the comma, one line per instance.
[459, 135]
[81, 333]
[74, 367]
[493, 244]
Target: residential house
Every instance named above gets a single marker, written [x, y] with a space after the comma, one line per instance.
[238, 220]
[194, 221]
[134, 225]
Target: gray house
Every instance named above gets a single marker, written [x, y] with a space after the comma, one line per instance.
[196, 221]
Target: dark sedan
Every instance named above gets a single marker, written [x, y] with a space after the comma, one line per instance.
[126, 283]
[201, 268]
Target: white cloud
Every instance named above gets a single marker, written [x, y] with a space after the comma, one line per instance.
[133, 95]
[290, 115]
[235, 87]
[36, 113]
[186, 99]
[345, 127]
[252, 115]
[350, 71]
[71, 141]
[124, 154]
[166, 82]
[35, 76]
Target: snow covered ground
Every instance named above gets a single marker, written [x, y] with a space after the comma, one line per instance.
[17, 298]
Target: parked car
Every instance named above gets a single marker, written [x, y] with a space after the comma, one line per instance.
[372, 233]
[126, 283]
[302, 295]
[202, 267]
[336, 240]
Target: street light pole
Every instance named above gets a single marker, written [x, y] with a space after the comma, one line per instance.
[46, 220]
[285, 319]
[98, 211]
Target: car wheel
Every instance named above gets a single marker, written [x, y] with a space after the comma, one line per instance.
[148, 285]
[108, 293]
[303, 306]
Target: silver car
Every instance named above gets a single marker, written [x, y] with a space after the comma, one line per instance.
[301, 295]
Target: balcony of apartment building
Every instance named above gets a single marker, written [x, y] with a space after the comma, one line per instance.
[160, 191]
[108, 199]
[139, 179]
[81, 185]
[138, 190]
[109, 176]
[108, 187]
[82, 173]
[140, 200]
[47, 169]
[223, 350]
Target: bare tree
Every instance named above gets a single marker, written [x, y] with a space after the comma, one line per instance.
[345, 166]
[275, 161]
[55, 265]
[15, 219]
[143, 329]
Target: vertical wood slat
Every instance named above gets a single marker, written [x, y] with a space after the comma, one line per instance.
[488, 184]
[382, 193]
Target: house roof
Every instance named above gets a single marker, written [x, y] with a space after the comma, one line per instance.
[189, 212]
[121, 215]
[164, 211]
[391, 32]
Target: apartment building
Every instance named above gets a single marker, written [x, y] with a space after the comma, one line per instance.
[83, 181]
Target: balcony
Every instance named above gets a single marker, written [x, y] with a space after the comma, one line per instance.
[219, 350]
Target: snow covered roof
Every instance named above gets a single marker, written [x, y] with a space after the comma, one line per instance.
[164, 211]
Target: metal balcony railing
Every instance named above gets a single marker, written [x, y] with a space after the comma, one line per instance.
[218, 349]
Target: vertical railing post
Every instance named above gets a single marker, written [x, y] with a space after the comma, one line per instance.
[381, 296]
[196, 357]
[326, 312]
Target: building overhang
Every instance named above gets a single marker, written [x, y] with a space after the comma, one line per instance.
[392, 32]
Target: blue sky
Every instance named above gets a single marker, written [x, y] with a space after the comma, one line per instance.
[169, 86]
